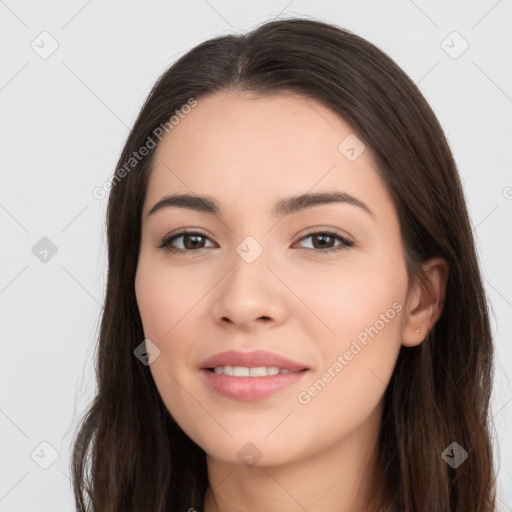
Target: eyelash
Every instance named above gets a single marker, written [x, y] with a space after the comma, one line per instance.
[165, 243]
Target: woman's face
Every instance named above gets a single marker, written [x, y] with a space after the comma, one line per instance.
[255, 279]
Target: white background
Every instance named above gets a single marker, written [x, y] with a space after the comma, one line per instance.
[64, 120]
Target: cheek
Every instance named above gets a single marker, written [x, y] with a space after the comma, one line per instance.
[356, 365]
[162, 298]
[166, 301]
[362, 305]
[344, 299]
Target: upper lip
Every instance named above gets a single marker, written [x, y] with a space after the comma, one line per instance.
[252, 359]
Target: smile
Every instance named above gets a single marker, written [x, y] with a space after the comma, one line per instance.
[244, 371]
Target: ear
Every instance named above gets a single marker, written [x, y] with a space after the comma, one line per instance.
[425, 303]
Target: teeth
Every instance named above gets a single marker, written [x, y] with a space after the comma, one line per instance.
[244, 371]
[240, 371]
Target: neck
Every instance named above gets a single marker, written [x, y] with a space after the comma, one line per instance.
[334, 479]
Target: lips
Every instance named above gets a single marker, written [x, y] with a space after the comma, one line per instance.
[254, 359]
[232, 381]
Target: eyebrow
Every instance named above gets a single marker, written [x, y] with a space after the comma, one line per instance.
[287, 206]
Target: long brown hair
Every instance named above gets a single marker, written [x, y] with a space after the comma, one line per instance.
[130, 455]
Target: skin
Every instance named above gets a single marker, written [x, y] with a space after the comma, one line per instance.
[248, 152]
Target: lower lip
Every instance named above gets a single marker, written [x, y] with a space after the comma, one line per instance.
[250, 388]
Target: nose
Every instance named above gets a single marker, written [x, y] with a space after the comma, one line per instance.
[250, 295]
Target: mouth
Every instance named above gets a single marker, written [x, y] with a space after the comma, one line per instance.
[258, 371]
[250, 383]
[250, 375]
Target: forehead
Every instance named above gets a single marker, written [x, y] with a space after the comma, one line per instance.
[245, 148]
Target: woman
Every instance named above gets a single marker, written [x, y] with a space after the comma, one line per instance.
[294, 317]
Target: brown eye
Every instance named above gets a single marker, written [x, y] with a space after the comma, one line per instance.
[323, 241]
[192, 241]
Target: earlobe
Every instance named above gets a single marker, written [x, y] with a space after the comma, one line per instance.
[426, 303]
